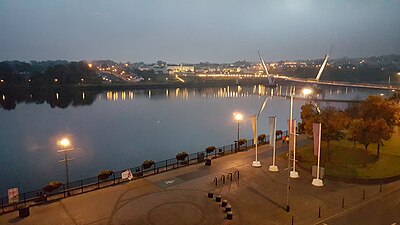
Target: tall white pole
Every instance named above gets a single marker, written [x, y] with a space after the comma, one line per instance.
[273, 167]
[318, 182]
[292, 137]
[256, 163]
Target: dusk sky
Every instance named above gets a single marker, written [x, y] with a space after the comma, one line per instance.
[190, 31]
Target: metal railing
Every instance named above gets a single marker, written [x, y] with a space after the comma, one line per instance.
[89, 184]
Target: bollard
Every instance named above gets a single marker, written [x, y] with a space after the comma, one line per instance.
[364, 194]
[230, 175]
[292, 220]
[218, 198]
[380, 188]
[210, 195]
[228, 208]
[216, 181]
[342, 202]
[223, 179]
[237, 171]
[319, 211]
[229, 215]
[224, 203]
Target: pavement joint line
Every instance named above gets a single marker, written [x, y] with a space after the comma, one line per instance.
[67, 212]
[363, 203]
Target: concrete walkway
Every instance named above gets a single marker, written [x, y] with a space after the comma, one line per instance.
[257, 197]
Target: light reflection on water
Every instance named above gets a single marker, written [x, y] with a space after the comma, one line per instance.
[120, 129]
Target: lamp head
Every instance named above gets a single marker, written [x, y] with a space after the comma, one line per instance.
[307, 91]
[64, 142]
[238, 117]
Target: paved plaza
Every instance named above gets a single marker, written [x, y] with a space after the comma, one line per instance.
[257, 197]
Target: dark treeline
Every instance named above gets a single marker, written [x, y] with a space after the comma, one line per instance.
[55, 98]
[16, 73]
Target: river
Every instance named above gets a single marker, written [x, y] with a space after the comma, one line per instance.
[120, 129]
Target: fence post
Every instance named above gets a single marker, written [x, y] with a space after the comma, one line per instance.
[82, 186]
[64, 189]
[342, 202]
[98, 182]
[380, 187]
[363, 194]
[114, 177]
[166, 165]
[24, 198]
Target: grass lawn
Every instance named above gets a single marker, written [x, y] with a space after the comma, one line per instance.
[347, 161]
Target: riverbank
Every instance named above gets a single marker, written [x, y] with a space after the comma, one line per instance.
[202, 83]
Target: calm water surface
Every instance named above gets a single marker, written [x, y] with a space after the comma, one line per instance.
[121, 129]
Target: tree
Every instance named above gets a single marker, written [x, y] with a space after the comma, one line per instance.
[309, 115]
[333, 122]
[359, 131]
[376, 107]
[379, 131]
[374, 121]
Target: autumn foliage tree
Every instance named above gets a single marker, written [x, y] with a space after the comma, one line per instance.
[333, 122]
[373, 121]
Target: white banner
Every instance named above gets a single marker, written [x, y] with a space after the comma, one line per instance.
[253, 120]
[272, 130]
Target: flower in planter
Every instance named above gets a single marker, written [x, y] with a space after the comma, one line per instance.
[210, 149]
[242, 142]
[147, 164]
[181, 156]
[261, 138]
[103, 175]
[52, 186]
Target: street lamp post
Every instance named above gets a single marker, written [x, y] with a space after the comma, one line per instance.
[65, 144]
[238, 118]
[398, 75]
[292, 137]
[272, 142]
